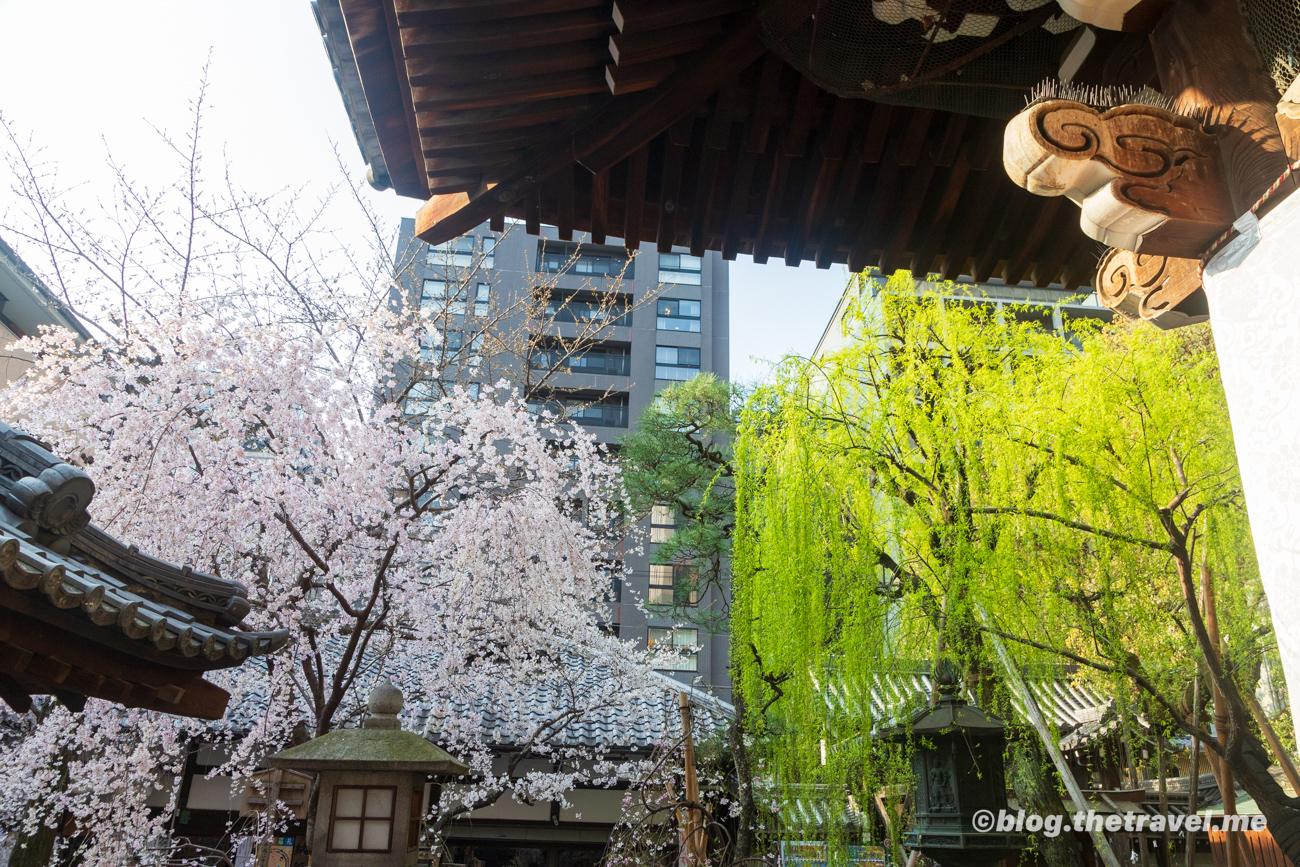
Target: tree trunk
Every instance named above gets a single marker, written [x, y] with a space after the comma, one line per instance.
[744, 785]
[313, 804]
[1036, 789]
[1283, 813]
[34, 851]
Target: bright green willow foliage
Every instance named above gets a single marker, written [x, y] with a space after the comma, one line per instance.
[950, 457]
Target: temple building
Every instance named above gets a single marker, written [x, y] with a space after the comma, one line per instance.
[83, 615]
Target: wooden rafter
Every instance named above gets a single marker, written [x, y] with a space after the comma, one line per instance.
[667, 120]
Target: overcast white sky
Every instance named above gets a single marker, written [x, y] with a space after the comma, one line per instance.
[84, 76]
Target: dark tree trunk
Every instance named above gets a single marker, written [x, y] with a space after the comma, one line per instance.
[1037, 789]
[1250, 768]
[744, 847]
[34, 851]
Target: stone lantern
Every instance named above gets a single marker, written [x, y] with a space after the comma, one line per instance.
[371, 786]
[957, 771]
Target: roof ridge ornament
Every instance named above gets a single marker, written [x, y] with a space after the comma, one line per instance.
[56, 500]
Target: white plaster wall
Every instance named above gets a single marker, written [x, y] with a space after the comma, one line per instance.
[594, 805]
[213, 794]
[1255, 314]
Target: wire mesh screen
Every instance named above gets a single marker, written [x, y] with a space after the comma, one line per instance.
[977, 57]
[1275, 24]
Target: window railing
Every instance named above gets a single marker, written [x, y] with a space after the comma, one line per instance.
[590, 415]
[582, 311]
[584, 261]
[607, 363]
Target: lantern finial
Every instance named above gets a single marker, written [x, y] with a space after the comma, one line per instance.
[384, 706]
[947, 677]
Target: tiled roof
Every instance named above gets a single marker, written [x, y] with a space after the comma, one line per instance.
[1077, 710]
[102, 582]
[638, 724]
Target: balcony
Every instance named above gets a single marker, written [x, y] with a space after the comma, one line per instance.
[601, 415]
[607, 363]
[593, 415]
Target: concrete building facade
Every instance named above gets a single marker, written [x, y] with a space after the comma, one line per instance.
[1050, 307]
[671, 322]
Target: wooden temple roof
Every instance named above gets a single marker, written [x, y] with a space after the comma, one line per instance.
[669, 120]
[84, 615]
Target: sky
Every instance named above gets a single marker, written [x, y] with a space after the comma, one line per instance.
[85, 78]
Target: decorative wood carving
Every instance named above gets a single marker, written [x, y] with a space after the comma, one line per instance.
[1144, 177]
[1162, 290]
[1209, 66]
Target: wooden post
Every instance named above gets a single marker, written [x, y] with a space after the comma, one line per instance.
[1049, 742]
[264, 853]
[1209, 66]
[1167, 840]
[1194, 772]
[1238, 854]
[695, 838]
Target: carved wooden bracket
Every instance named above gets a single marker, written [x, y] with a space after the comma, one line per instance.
[1145, 178]
[1162, 290]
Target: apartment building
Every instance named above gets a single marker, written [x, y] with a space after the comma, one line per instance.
[642, 322]
[1051, 307]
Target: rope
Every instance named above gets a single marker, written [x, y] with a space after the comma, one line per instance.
[1231, 231]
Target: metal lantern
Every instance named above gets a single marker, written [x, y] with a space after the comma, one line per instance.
[957, 773]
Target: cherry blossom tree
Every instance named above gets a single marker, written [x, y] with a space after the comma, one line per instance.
[243, 410]
[463, 556]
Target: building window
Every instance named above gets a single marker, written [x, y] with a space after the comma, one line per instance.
[434, 291]
[458, 341]
[590, 308]
[674, 585]
[437, 299]
[610, 360]
[676, 638]
[680, 268]
[674, 362]
[453, 342]
[458, 252]
[663, 523]
[482, 295]
[362, 819]
[584, 261]
[420, 398]
[596, 411]
[677, 315]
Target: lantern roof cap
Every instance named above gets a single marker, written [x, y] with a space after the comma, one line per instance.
[368, 749]
[953, 713]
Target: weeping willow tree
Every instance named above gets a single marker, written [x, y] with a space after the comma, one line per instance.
[955, 476]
